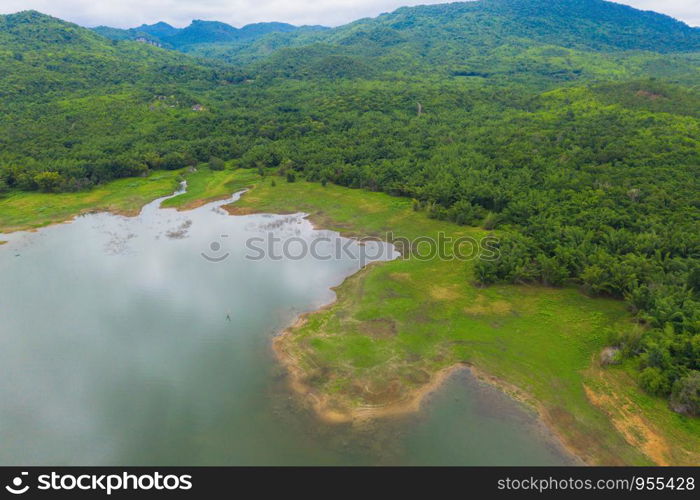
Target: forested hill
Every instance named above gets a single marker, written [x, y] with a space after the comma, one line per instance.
[578, 24]
[582, 24]
[40, 55]
[551, 39]
[570, 126]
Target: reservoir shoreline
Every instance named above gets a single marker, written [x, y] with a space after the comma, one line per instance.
[412, 402]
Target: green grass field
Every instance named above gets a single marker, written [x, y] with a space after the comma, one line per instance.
[204, 186]
[22, 210]
[29, 210]
[397, 324]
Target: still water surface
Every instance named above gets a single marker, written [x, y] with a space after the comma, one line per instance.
[116, 348]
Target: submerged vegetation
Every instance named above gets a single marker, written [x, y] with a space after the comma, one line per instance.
[573, 131]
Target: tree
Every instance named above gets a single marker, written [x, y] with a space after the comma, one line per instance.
[464, 213]
[694, 279]
[174, 161]
[596, 279]
[216, 163]
[553, 272]
[654, 381]
[686, 394]
[49, 182]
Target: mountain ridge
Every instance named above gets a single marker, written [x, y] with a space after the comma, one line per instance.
[597, 25]
[197, 32]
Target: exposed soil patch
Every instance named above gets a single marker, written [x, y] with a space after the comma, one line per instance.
[381, 393]
[649, 95]
[416, 376]
[379, 328]
[234, 209]
[627, 420]
[483, 307]
[444, 293]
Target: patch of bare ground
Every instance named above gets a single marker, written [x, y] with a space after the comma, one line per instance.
[191, 205]
[627, 420]
[482, 307]
[444, 293]
[400, 277]
[649, 95]
[378, 328]
[234, 209]
[390, 398]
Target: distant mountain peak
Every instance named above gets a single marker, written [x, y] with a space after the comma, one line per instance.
[199, 31]
[159, 29]
[159, 24]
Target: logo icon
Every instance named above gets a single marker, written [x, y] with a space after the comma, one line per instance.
[216, 248]
[16, 488]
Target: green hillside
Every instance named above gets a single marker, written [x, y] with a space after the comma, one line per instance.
[560, 40]
[570, 128]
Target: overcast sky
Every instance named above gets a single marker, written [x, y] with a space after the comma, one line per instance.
[130, 13]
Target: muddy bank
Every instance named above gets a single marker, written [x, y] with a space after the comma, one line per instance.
[412, 402]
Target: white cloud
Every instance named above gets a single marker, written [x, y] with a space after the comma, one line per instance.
[687, 11]
[129, 13]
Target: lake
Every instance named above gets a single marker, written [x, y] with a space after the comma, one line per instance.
[147, 341]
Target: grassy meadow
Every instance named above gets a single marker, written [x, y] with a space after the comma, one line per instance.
[204, 186]
[20, 210]
[397, 325]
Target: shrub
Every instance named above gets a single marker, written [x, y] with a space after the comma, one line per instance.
[686, 394]
[654, 381]
[49, 182]
[216, 163]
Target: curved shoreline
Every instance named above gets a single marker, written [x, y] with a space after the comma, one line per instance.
[121, 212]
[415, 399]
[413, 402]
